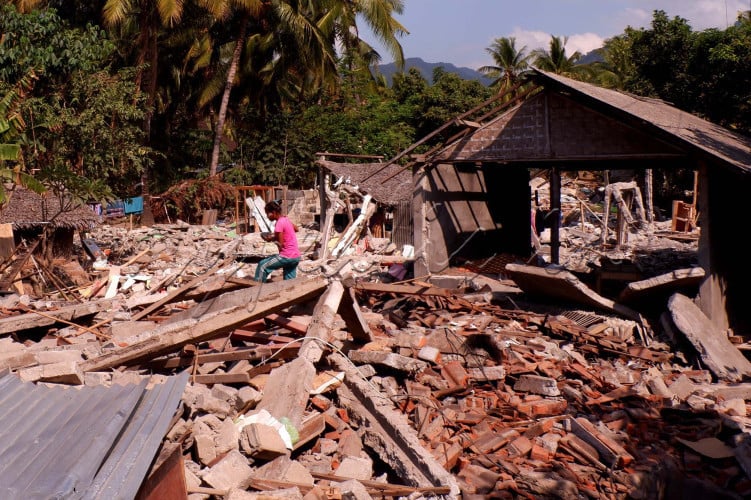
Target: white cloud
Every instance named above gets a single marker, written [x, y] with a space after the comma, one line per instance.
[531, 39]
[584, 42]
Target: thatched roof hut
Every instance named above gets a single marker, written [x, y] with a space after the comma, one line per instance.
[27, 210]
[30, 213]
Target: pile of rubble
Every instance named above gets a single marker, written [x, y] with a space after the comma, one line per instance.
[338, 385]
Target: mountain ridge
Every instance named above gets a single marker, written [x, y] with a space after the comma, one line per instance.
[426, 70]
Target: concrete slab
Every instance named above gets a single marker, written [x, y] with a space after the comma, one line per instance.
[716, 351]
[560, 284]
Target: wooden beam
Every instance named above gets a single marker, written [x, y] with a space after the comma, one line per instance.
[322, 322]
[177, 293]
[404, 289]
[271, 297]
[65, 315]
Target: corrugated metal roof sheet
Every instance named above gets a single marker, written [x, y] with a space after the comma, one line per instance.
[81, 442]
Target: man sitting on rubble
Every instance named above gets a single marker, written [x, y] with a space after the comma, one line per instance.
[285, 238]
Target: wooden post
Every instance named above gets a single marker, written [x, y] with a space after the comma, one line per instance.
[323, 179]
[648, 180]
[419, 224]
[555, 212]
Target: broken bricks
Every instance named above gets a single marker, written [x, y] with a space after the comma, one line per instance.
[463, 398]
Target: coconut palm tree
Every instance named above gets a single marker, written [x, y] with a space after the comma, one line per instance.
[556, 61]
[147, 19]
[266, 31]
[510, 64]
[616, 65]
[295, 43]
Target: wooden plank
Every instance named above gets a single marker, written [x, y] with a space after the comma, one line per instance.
[113, 281]
[63, 315]
[7, 241]
[251, 354]
[175, 294]
[222, 378]
[166, 480]
[322, 322]
[404, 289]
[291, 325]
[312, 427]
[167, 338]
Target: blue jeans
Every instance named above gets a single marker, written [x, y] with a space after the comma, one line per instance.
[289, 265]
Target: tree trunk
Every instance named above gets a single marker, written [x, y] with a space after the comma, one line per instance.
[231, 72]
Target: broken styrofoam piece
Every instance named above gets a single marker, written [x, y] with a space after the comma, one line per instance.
[264, 417]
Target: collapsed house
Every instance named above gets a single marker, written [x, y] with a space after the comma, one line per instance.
[472, 194]
[458, 383]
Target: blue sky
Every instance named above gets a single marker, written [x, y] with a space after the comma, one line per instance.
[459, 31]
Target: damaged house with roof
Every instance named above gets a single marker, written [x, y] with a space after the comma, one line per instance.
[471, 195]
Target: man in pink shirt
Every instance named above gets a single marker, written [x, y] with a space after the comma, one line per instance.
[285, 238]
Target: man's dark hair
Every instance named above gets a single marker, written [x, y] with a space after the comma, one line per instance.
[273, 206]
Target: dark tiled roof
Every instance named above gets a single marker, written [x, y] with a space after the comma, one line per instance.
[577, 121]
[718, 141]
[389, 185]
[26, 210]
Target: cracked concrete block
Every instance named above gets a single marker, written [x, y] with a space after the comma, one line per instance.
[537, 384]
[50, 357]
[262, 441]
[355, 468]
[66, 372]
[354, 490]
[232, 471]
[293, 493]
[97, 378]
[225, 393]
[247, 398]
[205, 448]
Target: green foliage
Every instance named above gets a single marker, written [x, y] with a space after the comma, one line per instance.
[93, 130]
[12, 128]
[42, 42]
[79, 126]
[555, 59]
[448, 97]
[616, 67]
[720, 72]
[511, 64]
[278, 151]
[86, 125]
[706, 72]
[661, 57]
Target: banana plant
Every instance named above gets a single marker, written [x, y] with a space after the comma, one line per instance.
[12, 171]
